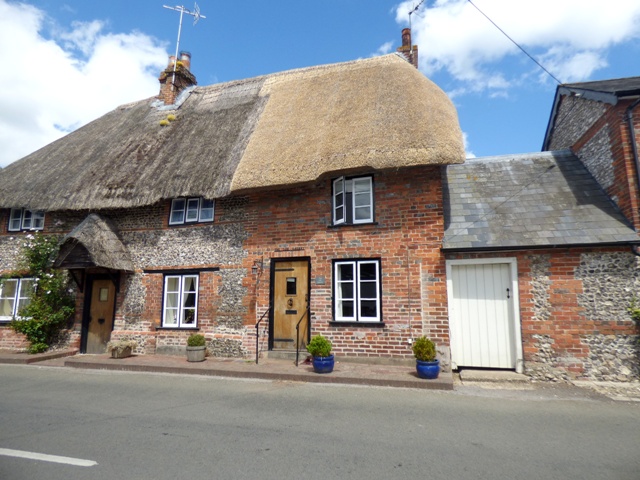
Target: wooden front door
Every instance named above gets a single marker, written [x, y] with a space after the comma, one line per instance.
[101, 310]
[290, 304]
[481, 319]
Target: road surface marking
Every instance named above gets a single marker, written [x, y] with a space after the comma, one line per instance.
[47, 458]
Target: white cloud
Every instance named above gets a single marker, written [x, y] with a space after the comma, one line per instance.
[569, 37]
[57, 85]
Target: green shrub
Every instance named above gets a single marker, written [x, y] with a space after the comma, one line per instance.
[52, 305]
[424, 349]
[319, 346]
[196, 340]
[634, 310]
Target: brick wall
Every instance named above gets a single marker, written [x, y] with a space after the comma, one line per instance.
[406, 237]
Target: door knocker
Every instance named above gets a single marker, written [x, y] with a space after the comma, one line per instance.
[290, 303]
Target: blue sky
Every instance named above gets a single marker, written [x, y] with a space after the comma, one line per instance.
[72, 61]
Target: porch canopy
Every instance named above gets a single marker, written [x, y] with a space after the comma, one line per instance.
[94, 243]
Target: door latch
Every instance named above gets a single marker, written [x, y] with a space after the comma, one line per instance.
[508, 293]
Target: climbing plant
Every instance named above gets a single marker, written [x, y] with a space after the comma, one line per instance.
[52, 305]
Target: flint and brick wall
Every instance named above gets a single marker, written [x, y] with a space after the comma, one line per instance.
[573, 312]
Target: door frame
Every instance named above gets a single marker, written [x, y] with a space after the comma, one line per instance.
[86, 311]
[513, 303]
[272, 274]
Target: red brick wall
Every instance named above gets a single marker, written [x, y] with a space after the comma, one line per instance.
[406, 238]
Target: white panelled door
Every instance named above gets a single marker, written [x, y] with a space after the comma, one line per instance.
[482, 319]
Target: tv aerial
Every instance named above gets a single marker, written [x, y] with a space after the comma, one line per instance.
[197, 16]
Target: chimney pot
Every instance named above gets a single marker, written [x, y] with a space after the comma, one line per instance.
[406, 37]
[185, 58]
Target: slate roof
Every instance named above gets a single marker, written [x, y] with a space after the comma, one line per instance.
[535, 200]
[619, 87]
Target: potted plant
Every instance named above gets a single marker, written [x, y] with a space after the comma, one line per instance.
[121, 348]
[427, 365]
[320, 349]
[196, 349]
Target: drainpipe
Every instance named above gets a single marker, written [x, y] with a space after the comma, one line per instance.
[632, 135]
[634, 148]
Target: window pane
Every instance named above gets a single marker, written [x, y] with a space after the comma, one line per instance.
[172, 300]
[25, 294]
[345, 308]
[172, 284]
[345, 290]
[15, 219]
[26, 219]
[192, 210]
[363, 213]
[206, 210]
[368, 308]
[368, 290]
[291, 286]
[189, 317]
[7, 297]
[177, 211]
[368, 271]
[345, 271]
[171, 316]
[37, 221]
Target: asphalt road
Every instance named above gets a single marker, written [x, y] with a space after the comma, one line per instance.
[146, 426]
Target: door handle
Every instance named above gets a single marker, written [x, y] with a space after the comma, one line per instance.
[508, 293]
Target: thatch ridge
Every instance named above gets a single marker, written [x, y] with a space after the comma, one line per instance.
[280, 129]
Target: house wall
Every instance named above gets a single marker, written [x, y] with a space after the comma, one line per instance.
[286, 223]
[573, 312]
[406, 237]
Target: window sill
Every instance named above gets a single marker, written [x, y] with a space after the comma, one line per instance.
[179, 329]
[357, 324]
[342, 225]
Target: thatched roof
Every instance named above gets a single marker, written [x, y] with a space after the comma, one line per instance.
[277, 130]
[94, 243]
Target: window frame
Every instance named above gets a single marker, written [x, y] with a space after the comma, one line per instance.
[192, 210]
[18, 298]
[180, 307]
[344, 206]
[23, 219]
[357, 291]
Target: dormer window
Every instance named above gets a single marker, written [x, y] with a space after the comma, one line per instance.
[191, 210]
[352, 200]
[23, 219]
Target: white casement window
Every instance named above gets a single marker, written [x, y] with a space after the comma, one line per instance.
[356, 290]
[191, 210]
[23, 219]
[352, 200]
[15, 293]
[180, 308]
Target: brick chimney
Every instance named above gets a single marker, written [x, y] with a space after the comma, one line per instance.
[410, 52]
[171, 84]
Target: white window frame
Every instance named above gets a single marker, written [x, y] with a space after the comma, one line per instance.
[191, 210]
[344, 206]
[18, 297]
[357, 291]
[180, 307]
[23, 219]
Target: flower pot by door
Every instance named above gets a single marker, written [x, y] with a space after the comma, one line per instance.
[196, 354]
[121, 353]
[323, 364]
[428, 370]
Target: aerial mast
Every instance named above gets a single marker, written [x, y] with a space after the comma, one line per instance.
[197, 16]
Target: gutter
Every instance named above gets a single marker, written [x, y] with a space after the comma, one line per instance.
[635, 246]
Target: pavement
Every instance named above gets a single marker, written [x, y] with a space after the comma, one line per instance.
[349, 373]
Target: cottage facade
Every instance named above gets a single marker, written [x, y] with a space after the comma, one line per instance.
[333, 200]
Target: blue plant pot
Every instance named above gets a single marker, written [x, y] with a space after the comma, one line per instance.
[429, 370]
[323, 364]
